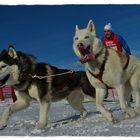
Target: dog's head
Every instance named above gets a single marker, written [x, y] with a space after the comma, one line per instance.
[83, 40]
[14, 66]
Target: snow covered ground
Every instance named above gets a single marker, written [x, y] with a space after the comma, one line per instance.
[64, 121]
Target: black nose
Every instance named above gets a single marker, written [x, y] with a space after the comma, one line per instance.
[80, 45]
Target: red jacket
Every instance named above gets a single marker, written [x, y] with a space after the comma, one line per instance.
[113, 43]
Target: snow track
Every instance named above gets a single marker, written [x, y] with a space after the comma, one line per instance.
[64, 121]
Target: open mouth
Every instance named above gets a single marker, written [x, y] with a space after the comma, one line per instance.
[84, 51]
[3, 81]
[85, 54]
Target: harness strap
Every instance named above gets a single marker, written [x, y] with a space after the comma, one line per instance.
[127, 62]
[100, 74]
[101, 70]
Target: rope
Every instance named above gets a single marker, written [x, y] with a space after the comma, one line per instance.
[75, 66]
[53, 75]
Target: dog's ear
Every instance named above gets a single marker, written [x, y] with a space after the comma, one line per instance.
[3, 51]
[76, 28]
[91, 27]
[12, 52]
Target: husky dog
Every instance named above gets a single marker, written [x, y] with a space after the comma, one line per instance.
[107, 68]
[42, 82]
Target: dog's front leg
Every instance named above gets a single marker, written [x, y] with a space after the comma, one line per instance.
[100, 95]
[130, 112]
[137, 104]
[21, 103]
[43, 116]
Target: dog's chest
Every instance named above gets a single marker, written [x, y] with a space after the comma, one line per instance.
[33, 92]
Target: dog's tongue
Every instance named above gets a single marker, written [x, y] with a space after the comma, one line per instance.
[86, 55]
[83, 51]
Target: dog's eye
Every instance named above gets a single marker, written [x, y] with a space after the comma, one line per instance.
[86, 37]
[76, 38]
[3, 66]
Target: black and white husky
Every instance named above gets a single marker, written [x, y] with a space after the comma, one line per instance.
[42, 82]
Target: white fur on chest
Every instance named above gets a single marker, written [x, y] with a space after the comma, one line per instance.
[33, 92]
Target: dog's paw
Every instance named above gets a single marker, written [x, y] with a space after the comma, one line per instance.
[130, 113]
[40, 125]
[137, 110]
[83, 115]
[110, 117]
[115, 121]
[2, 126]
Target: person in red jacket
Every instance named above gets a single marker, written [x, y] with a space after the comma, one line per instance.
[115, 41]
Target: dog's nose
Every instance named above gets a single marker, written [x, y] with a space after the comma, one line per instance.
[80, 45]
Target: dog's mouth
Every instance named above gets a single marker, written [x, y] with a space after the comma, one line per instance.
[84, 51]
[3, 81]
[85, 54]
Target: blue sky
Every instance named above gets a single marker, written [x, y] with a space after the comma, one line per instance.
[47, 31]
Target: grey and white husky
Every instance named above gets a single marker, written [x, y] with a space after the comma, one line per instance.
[33, 80]
[105, 68]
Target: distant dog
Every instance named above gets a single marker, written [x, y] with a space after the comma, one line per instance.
[42, 82]
[107, 68]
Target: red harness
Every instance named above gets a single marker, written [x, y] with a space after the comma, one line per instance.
[100, 74]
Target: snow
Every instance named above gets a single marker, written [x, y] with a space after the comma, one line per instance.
[64, 121]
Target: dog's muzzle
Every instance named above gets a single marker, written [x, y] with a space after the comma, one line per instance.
[3, 81]
[85, 54]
